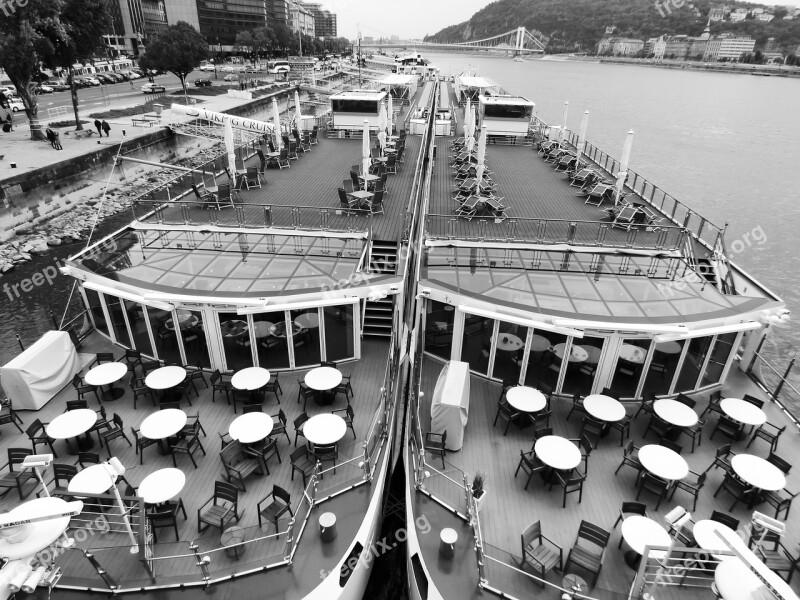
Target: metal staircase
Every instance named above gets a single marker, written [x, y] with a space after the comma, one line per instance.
[378, 314]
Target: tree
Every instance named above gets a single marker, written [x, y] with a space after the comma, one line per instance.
[263, 38]
[85, 22]
[178, 49]
[27, 33]
[244, 42]
[284, 39]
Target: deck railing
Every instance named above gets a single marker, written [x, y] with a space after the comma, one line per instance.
[776, 381]
[554, 231]
[248, 215]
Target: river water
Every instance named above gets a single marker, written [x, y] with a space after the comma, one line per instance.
[725, 145]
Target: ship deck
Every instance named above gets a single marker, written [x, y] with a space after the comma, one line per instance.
[311, 558]
[509, 509]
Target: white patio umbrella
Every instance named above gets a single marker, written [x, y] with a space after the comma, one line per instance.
[622, 174]
[391, 115]
[481, 156]
[383, 123]
[468, 123]
[582, 136]
[563, 124]
[297, 108]
[276, 119]
[230, 149]
[365, 158]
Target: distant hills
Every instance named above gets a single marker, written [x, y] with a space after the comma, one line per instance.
[570, 25]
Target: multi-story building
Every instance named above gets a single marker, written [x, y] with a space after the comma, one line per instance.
[302, 19]
[279, 11]
[219, 22]
[627, 46]
[770, 45]
[677, 47]
[650, 46]
[717, 13]
[728, 47]
[765, 16]
[740, 14]
[132, 22]
[324, 21]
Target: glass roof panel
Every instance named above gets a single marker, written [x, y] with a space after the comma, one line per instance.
[221, 262]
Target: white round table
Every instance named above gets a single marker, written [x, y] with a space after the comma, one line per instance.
[576, 353]
[324, 429]
[632, 354]
[526, 399]
[323, 379]
[107, 374]
[638, 532]
[663, 462]
[309, 320]
[592, 354]
[261, 329]
[162, 485]
[758, 472]
[73, 424]
[34, 537]
[94, 480]
[508, 342]
[539, 343]
[735, 580]
[676, 413]
[705, 534]
[251, 378]
[742, 411]
[163, 424]
[668, 347]
[557, 452]
[604, 408]
[165, 378]
[252, 427]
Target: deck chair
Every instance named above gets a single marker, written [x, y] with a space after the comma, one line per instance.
[579, 178]
[347, 184]
[345, 203]
[252, 177]
[225, 195]
[566, 163]
[376, 205]
[283, 159]
[626, 218]
[599, 194]
[589, 549]
[468, 208]
[542, 558]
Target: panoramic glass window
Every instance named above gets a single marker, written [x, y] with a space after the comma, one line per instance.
[628, 370]
[339, 332]
[509, 350]
[115, 311]
[235, 341]
[270, 336]
[476, 344]
[666, 356]
[138, 322]
[723, 346]
[162, 324]
[582, 372]
[439, 321]
[544, 366]
[693, 363]
[96, 310]
[195, 338]
[508, 111]
[305, 337]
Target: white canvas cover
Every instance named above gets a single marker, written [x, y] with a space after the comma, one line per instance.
[41, 371]
[450, 403]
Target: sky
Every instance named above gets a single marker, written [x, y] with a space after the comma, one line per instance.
[411, 18]
[405, 18]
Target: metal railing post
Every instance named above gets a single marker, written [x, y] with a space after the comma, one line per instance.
[202, 562]
[287, 556]
[784, 378]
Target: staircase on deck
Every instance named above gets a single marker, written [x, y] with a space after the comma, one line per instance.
[378, 313]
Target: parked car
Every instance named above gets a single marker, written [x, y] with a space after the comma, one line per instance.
[42, 89]
[104, 78]
[117, 77]
[58, 85]
[231, 78]
[132, 75]
[252, 69]
[82, 82]
[16, 105]
[202, 82]
[207, 67]
[92, 80]
[153, 88]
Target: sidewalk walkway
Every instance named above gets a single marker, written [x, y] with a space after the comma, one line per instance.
[17, 147]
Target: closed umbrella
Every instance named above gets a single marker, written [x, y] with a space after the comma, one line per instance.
[276, 118]
[391, 115]
[383, 121]
[563, 124]
[468, 121]
[481, 156]
[230, 149]
[365, 152]
[622, 174]
[582, 137]
[297, 108]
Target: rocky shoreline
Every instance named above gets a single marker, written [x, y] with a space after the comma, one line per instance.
[76, 224]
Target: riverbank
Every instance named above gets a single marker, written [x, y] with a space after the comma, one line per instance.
[736, 68]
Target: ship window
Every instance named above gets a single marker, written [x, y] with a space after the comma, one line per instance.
[165, 337]
[355, 106]
[121, 334]
[718, 359]
[661, 370]
[439, 322]
[235, 341]
[96, 310]
[629, 367]
[508, 111]
[476, 345]
[305, 337]
[270, 342]
[581, 373]
[693, 363]
[194, 334]
[544, 365]
[138, 323]
[509, 350]
[339, 332]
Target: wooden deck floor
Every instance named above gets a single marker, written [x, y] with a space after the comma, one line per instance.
[215, 417]
[311, 182]
[508, 508]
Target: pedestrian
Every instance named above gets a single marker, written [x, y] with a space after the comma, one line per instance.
[57, 141]
[131, 82]
[98, 125]
[9, 121]
[50, 137]
[106, 127]
[150, 79]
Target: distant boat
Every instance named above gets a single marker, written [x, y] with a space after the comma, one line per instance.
[519, 59]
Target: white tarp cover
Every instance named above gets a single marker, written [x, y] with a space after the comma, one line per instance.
[395, 79]
[450, 403]
[41, 371]
[475, 82]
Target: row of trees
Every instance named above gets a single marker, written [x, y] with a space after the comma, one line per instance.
[279, 40]
[49, 34]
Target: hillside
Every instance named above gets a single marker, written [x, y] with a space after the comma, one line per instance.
[579, 24]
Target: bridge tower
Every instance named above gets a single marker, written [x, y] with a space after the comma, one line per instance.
[520, 38]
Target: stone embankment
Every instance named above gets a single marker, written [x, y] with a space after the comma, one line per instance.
[76, 224]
